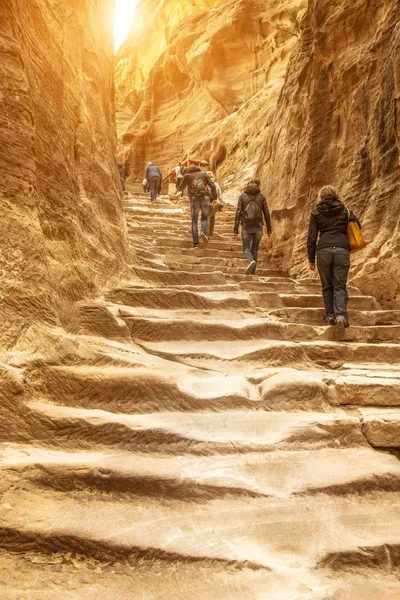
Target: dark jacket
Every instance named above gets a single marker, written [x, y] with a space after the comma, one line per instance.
[192, 173]
[123, 171]
[329, 220]
[252, 192]
[152, 171]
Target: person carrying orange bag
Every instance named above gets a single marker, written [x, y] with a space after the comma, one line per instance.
[328, 241]
[356, 238]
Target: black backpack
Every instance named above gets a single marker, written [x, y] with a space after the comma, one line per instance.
[198, 187]
[252, 213]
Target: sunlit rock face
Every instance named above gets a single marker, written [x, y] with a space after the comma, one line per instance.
[192, 73]
[61, 234]
[338, 121]
[304, 94]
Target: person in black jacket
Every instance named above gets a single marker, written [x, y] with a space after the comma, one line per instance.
[154, 180]
[329, 221]
[251, 207]
[199, 199]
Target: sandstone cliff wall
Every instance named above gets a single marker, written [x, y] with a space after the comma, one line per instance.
[338, 121]
[316, 86]
[192, 72]
[61, 228]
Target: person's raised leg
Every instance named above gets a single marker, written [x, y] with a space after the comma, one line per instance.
[257, 235]
[341, 266]
[195, 209]
[247, 240]
[205, 207]
[153, 185]
[325, 270]
[156, 188]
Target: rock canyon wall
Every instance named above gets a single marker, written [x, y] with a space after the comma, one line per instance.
[302, 93]
[338, 121]
[61, 224]
[191, 73]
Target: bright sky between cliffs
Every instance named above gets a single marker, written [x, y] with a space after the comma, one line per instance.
[123, 19]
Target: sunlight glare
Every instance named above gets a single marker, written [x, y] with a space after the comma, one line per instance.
[123, 19]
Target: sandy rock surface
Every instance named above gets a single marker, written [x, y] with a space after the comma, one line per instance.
[61, 227]
[337, 122]
[202, 436]
[170, 427]
[190, 71]
[316, 86]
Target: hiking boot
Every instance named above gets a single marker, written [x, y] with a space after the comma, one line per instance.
[340, 328]
[330, 320]
[195, 246]
[204, 237]
[251, 267]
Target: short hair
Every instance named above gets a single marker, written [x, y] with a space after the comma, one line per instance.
[328, 191]
[256, 181]
[149, 164]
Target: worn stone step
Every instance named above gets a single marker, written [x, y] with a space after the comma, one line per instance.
[168, 227]
[357, 317]
[381, 426]
[200, 255]
[187, 242]
[168, 277]
[205, 525]
[229, 355]
[228, 269]
[145, 386]
[224, 297]
[215, 260]
[199, 433]
[178, 299]
[255, 473]
[314, 301]
[290, 286]
[200, 329]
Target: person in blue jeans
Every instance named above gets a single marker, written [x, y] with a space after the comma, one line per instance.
[154, 180]
[199, 186]
[199, 204]
[328, 241]
[251, 208]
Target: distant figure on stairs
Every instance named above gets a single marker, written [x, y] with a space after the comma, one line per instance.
[145, 186]
[215, 206]
[154, 179]
[197, 183]
[251, 207]
[123, 174]
[329, 221]
[177, 174]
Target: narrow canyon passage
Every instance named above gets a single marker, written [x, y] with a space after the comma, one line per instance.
[204, 437]
[170, 428]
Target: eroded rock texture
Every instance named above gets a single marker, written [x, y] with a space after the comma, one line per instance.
[61, 233]
[330, 114]
[338, 121]
[191, 72]
[206, 438]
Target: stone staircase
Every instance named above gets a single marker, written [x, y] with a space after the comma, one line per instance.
[204, 436]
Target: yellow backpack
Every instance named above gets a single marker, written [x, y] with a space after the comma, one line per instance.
[356, 238]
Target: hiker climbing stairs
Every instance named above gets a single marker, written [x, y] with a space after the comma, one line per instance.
[204, 428]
